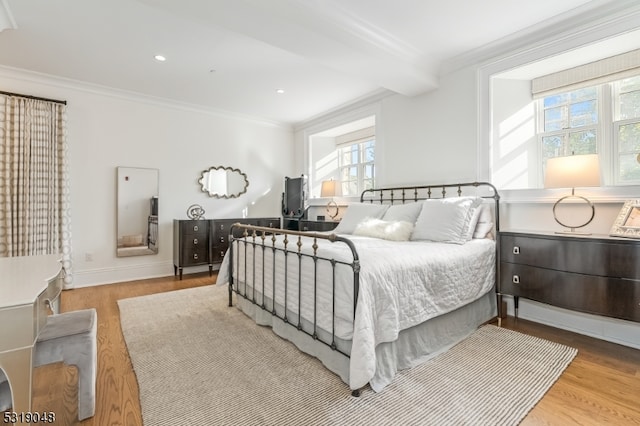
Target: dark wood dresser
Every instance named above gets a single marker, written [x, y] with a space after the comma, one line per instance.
[221, 228]
[191, 244]
[205, 241]
[317, 225]
[596, 274]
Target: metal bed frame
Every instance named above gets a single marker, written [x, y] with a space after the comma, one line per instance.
[262, 240]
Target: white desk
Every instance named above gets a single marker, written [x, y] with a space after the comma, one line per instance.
[28, 286]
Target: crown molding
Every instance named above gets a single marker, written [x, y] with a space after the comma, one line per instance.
[96, 89]
[343, 110]
[578, 22]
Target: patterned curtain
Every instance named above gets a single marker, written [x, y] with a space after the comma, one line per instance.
[34, 180]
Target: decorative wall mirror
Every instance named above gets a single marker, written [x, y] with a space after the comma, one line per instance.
[137, 232]
[223, 182]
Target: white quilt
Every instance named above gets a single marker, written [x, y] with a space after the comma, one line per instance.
[402, 284]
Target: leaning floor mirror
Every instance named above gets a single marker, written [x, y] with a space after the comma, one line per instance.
[137, 224]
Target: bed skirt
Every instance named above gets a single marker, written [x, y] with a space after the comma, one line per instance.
[414, 345]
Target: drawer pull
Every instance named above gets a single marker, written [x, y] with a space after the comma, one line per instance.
[195, 241]
[516, 250]
[195, 228]
[221, 227]
[222, 239]
[221, 253]
[195, 256]
[516, 279]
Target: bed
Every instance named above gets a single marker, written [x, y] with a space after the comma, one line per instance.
[408, 273]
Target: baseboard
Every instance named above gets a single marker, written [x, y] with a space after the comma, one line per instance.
[626, 333]
[99, 276]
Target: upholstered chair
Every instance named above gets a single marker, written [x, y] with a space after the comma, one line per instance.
[69, 337]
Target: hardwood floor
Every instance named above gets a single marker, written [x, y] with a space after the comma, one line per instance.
[600, 387]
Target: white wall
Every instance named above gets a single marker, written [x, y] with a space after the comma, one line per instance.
[514, 161]
[107, 129]
[430, 138]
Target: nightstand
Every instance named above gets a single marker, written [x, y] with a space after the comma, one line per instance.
[317, 225]
[596, 274]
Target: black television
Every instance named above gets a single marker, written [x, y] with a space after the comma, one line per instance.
[293, 197]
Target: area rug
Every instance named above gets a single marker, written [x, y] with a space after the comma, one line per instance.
[199, 362]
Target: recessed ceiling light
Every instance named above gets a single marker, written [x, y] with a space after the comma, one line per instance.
[279, 91]
[160, 58]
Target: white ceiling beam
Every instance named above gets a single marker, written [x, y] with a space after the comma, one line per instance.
[330, 38]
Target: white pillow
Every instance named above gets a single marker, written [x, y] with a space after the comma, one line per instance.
[356, 213]
[446, 220]
[403, 212]
[485, 222]
[387, 230]
[470, 228]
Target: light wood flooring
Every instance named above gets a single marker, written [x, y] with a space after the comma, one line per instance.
[600, 387]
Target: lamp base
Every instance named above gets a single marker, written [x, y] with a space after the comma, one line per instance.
[332, 209]
[572, 228]
[572, 232]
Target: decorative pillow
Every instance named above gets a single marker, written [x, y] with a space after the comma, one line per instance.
[356, 213]
[485, 222]
[386, 230]
[446, 220]
[403, 212]
[471, 225]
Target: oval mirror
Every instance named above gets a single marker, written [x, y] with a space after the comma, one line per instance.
[223, 182]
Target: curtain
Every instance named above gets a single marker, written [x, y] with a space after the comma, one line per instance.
[591, 74]
[34, 180]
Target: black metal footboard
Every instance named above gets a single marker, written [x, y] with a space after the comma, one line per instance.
[262, 246]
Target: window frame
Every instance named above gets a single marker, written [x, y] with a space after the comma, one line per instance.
[360, 165]
[606, 132]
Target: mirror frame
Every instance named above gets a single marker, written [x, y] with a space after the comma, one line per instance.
[229, 169]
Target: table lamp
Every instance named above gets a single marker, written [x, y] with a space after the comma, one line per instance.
[330, 188]
[570, 172]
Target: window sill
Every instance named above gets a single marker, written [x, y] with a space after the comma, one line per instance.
[608, 194]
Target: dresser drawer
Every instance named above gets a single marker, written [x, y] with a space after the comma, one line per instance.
[195, 256]
[194, 227]
[609, 296]
[218, 252]
[613, 258]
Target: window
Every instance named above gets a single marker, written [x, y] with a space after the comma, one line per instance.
[346, 154]
[569, 123]
[626, 130]
[357, 166]
[581, 122]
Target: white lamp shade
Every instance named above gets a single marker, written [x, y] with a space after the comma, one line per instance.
[330, 188]
[573, 171]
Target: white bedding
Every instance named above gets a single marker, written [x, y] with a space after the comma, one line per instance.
[402, 284]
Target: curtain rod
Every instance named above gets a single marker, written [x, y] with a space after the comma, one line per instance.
[2, 92]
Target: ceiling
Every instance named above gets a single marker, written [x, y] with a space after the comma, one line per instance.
[232, 55]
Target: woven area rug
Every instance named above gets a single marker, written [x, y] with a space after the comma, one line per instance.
[199, 362]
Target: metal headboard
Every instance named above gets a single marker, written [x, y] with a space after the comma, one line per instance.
[408, 194]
